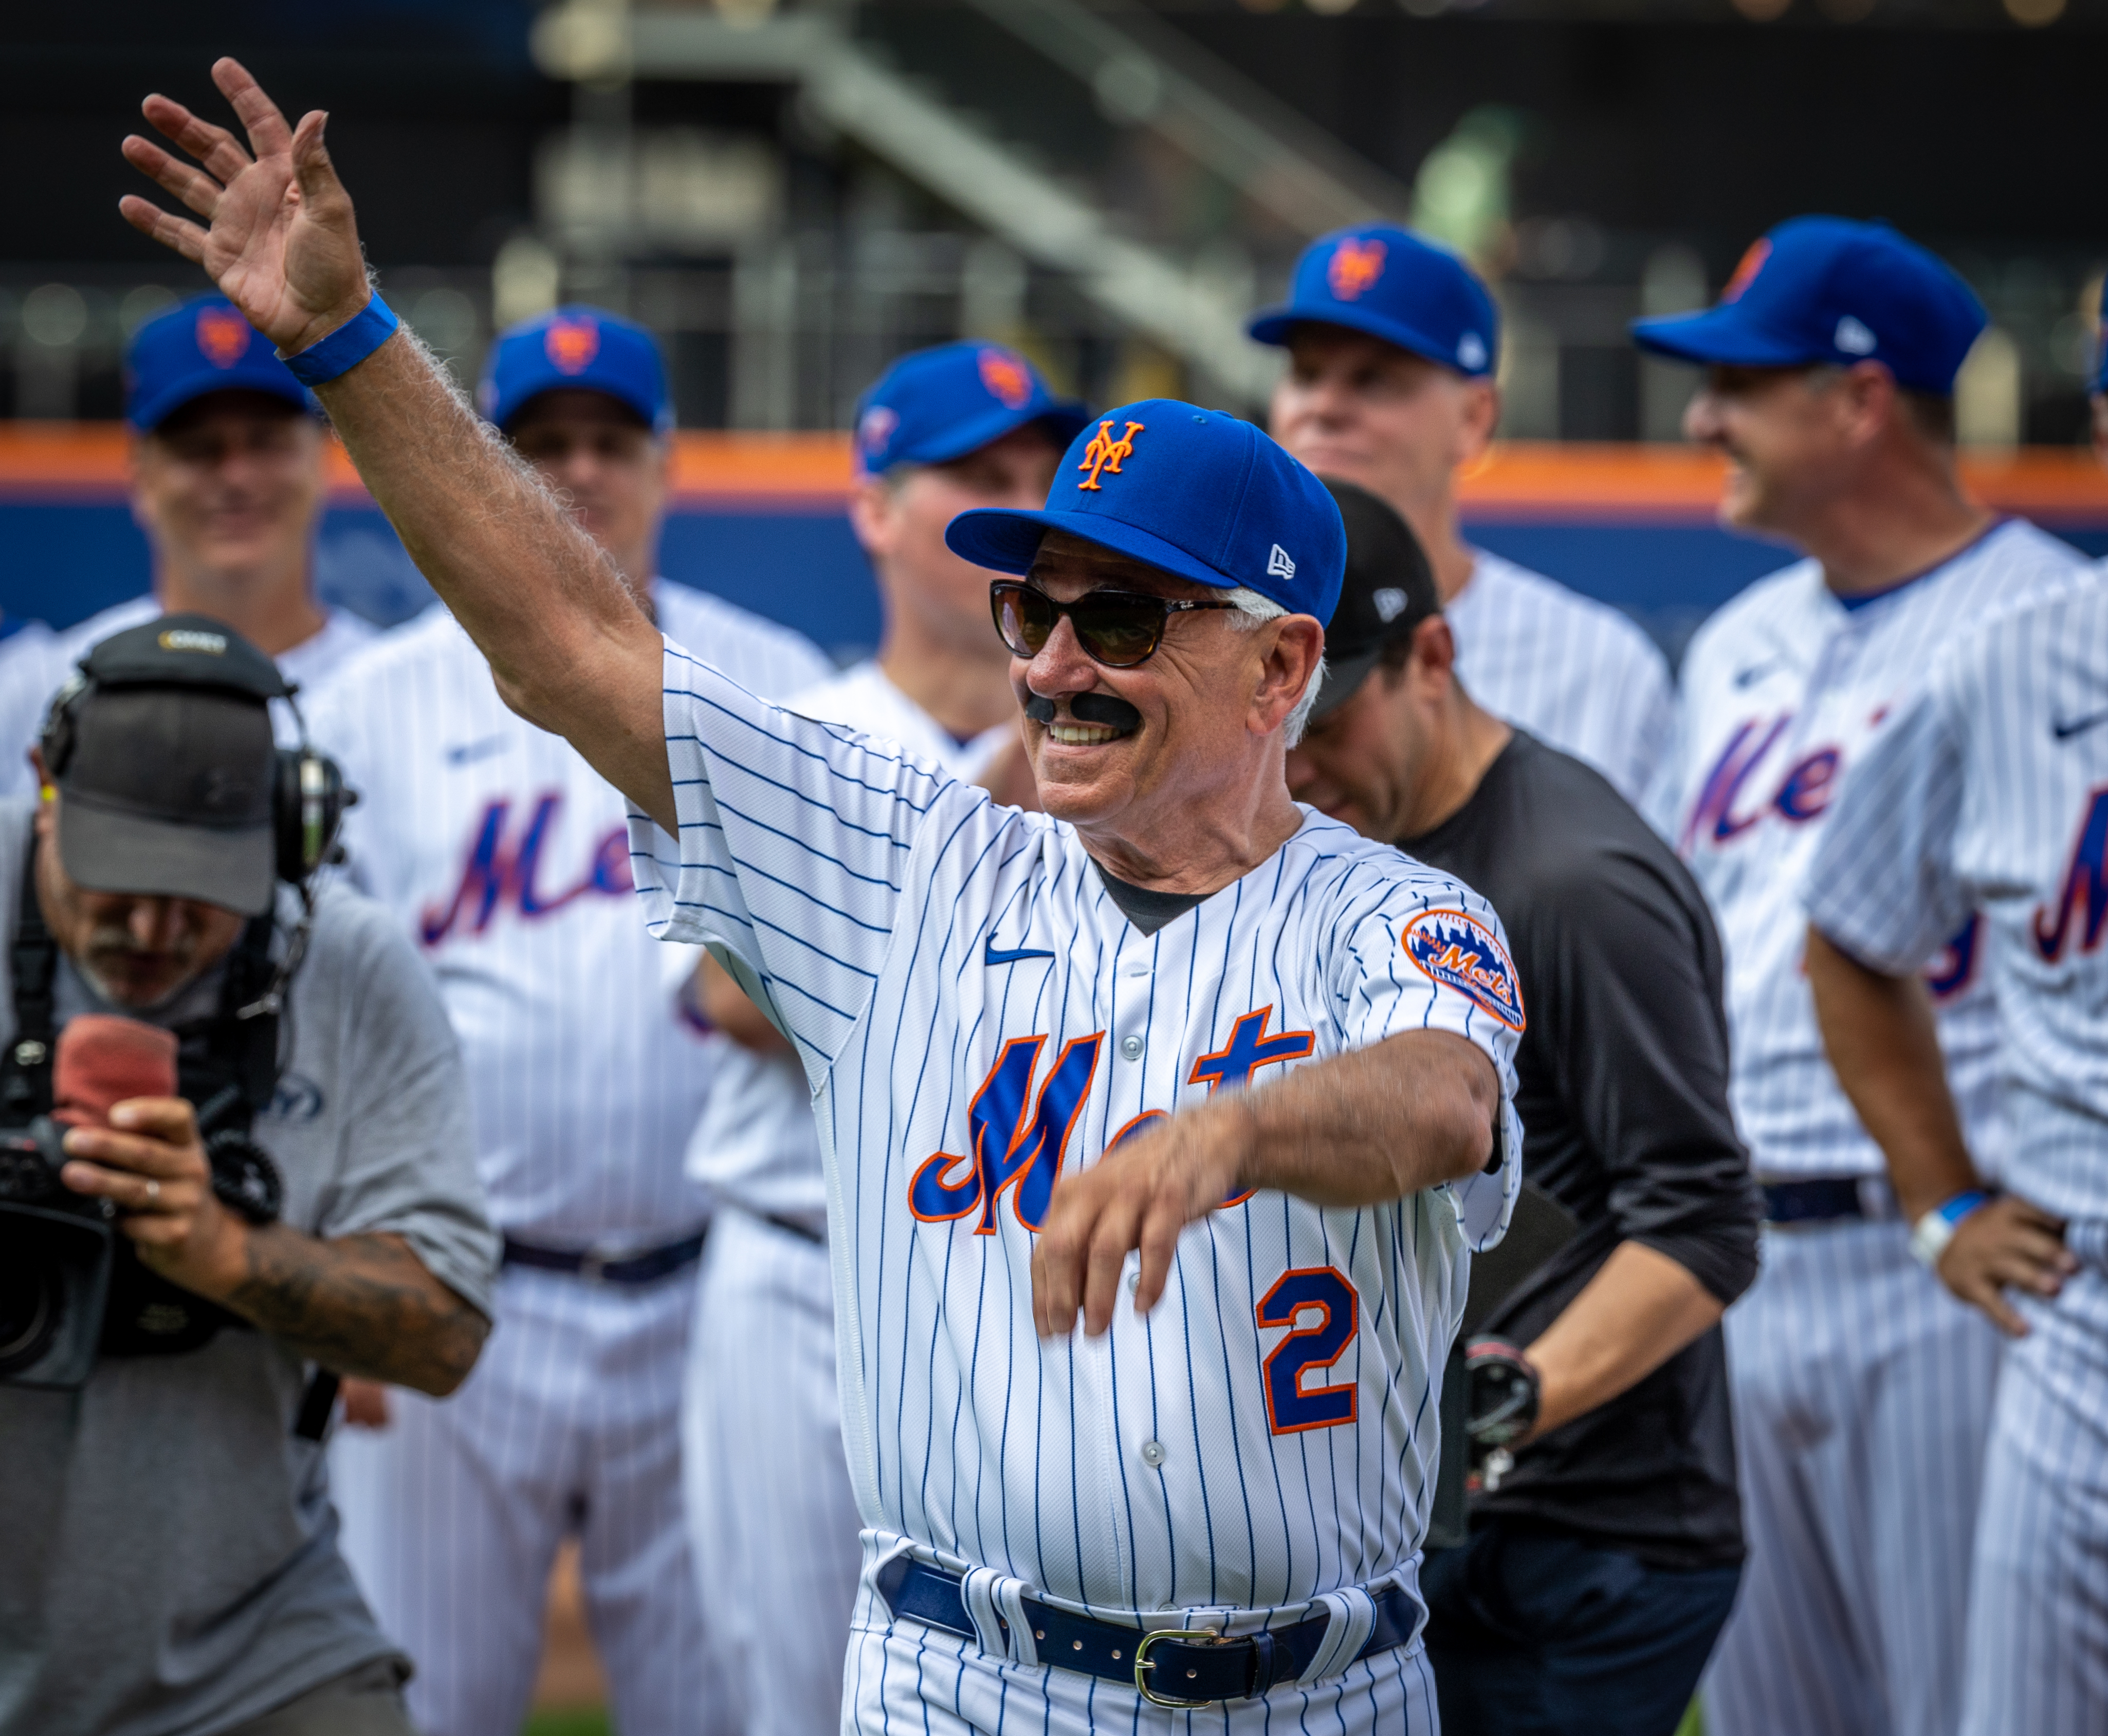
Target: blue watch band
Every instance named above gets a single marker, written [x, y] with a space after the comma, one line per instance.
[346, 347]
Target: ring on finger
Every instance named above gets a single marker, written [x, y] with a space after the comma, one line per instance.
[153, 1191]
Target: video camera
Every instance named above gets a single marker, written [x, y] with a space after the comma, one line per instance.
[162, 747]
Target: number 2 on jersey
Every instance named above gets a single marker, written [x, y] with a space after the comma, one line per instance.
[1312, 1345]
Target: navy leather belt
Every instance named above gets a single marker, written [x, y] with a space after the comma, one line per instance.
[1824, 1200]
[793, 1226]
[646, 1267]
[1168, 1668]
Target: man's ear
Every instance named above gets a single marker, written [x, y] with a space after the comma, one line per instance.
[1870, 399]
[1289, 662]
[873, 512]
[1481, 416]
[1434, 649]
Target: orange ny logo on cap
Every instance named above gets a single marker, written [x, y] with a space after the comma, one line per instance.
[223, 335]
[1006, 377]
[1105, 452]
[571, 345]
[1745, 273]
[1356, 265]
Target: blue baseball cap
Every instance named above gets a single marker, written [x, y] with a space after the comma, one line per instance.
[1828, 290]
[201, 345]
[1385, 281]
[578, 347]
[1197, 493]
[940, 404]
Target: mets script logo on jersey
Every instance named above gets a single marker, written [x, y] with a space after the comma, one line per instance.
[1355, 268]
[1104, 454]
[571, 345]
[1015, 1143]
[223, 335]
[2084, 893]
[1461, 950]
[1006, 377]
[500, 872]
[1802, 794]
[1745, 273]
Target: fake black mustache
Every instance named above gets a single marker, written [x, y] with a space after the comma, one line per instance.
[1087, 708]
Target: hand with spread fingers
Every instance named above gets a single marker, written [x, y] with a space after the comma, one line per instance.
[279, 235]
[150, 1164]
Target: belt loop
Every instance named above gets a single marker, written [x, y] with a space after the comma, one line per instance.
[978, 1591]
[1010, 1604]
[1353, 1618]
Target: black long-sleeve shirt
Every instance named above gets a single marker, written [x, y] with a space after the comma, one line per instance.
[1623, 1076]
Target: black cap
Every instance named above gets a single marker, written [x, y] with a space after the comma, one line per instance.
[165, 758]
[1388, 591]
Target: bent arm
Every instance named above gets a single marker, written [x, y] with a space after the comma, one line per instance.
[362, 1305]
[1638, 1311]
[728, 1006]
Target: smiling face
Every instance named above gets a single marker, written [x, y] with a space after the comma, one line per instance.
[230, 486]
[1204, 755]
[614, 469]
[1790, 436]
[1354, 406]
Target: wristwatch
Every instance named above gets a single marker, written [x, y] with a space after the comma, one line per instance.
[1932, 1234]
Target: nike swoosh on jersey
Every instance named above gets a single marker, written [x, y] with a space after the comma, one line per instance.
[2064, 728]
[469, 752]
[996, 955]
[1756, 672]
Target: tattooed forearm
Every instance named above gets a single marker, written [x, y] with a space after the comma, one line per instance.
[362, 1305]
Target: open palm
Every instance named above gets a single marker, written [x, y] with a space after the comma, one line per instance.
[278, 236]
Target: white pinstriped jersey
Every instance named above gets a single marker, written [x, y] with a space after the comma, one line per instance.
[756, 1144]
[975, 1013]
[1782, 690]
[1988, 792]
[37, 661]
[506, 855]
[1573, 671]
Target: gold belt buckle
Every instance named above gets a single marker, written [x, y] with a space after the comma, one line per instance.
[1143, 1665]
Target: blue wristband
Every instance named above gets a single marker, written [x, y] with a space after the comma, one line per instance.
[346, 347]
[1962, 1205]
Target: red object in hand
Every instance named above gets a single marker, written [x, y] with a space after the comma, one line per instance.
[102, 1060]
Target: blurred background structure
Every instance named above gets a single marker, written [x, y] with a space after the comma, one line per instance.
[791, 193]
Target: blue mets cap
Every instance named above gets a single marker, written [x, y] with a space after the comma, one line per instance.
[940, 404]
[1195, 493]
[1386, 282]
[200, 345]
[1828, 290]
[578, 347]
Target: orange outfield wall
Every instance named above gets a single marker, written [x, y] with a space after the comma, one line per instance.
[810, 472]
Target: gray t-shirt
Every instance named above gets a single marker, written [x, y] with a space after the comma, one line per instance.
[168, 1550]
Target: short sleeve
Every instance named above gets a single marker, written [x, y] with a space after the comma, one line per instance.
[795, 836]
[408, 1164]
[1881, 885]
[1432, 956]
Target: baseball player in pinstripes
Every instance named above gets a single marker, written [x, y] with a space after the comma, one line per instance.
[1860, 1388]
[770, 1506]
[1216, 1491]
[228, 478]
[1986, 798]
[504, 853]
[1393, 346]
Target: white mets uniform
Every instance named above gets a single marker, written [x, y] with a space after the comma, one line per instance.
[507, 857]
[1987, 796]
[37, 661]
[974, 1012]
[1573, 671]
[1861, 1386]
[770, 1507]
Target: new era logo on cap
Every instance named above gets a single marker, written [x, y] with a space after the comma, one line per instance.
[1278, 565]
[1471, 352]
[1389, 603]
[193, 639]
[1852, 338]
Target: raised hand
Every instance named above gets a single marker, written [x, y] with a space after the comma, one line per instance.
[278, 236]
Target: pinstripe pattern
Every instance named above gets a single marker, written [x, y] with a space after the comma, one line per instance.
[1782, 691]
[1990, 793]
[856, 890]
[504, 854]
[1854, 1372]
[35, 663]
[1571, 670]
[769, 1502]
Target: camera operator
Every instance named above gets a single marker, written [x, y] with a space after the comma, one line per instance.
[1605, 1542]
[304, 1205]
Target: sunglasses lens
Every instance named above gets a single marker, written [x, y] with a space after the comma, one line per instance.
[1121, 631]
[1024, 618]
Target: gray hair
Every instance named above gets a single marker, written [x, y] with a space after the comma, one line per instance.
[1252, 609]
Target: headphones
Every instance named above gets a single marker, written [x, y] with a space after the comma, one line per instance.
[308, 796]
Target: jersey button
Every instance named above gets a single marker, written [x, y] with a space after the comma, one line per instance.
[1152, 1454]
[1130, 1047]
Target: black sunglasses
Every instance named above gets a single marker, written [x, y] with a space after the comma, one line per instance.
[1117, 628]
